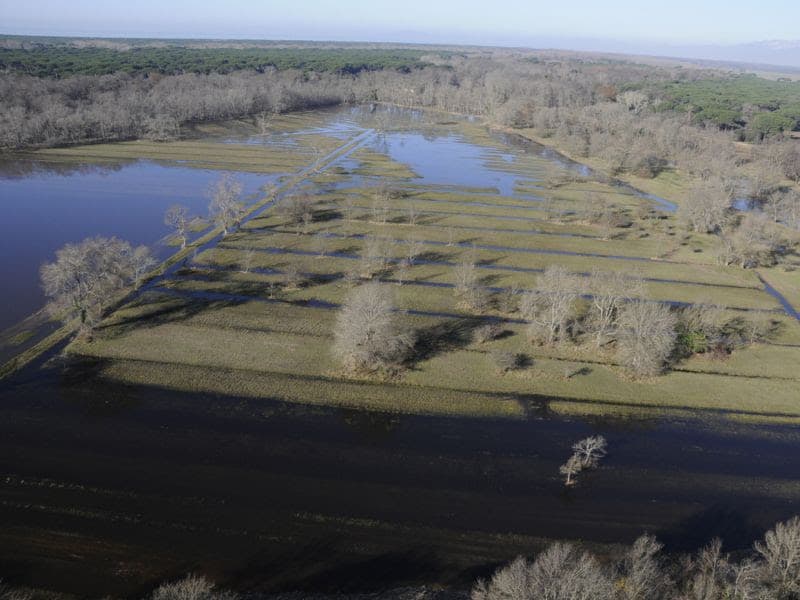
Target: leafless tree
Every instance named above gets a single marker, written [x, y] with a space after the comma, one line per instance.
[645, 336]
[321, 243]
[571, 468]
[641, 574]
[9, 593]
[86, 276]
[413, 215]
[609, 291]
[191, 587]
[467, 288]
[177, 218]
[226, 207]
[551, 304]
[298, 210]
[403, 267]
[487, 332]
[367, 336]
[292, 278]
[140, 264]
[414, 248]
[374, 256]
[263, 122]
[247, 260]
[757, 241]
[706, 207]
[790, 161]
[780, 552]
[590, 450]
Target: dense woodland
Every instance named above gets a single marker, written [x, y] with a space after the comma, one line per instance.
[633, 118]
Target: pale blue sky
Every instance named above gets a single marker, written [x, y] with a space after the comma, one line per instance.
[509, 22]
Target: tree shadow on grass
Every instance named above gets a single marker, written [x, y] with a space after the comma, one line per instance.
[171, 309]
[445, 336]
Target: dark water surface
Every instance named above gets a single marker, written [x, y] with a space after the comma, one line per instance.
[106, 488]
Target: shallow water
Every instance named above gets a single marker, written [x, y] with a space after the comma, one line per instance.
[48, 205]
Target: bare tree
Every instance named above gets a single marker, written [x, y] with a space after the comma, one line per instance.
[374, 256]
[780, 551]
[471, 295]
[641, 575]
[609, 291]
[177, 218]
[413, 249]
[758, 241]
[86, 276]
[570, 469]
[321, 243]
[551, 304]
[706, 207]
[191, 587]
[140, 263]
[247, 260]
[590, 450]
[226, 207]
[645, 337]
[560, 572]
[403, 267]
[790, 161]
[413, 215]
[298, 210]
[367, 335]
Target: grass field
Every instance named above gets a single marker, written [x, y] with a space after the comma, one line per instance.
[215, 326]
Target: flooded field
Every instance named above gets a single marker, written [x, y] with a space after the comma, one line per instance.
[206, 427]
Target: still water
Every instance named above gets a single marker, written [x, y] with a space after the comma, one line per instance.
[45, 209]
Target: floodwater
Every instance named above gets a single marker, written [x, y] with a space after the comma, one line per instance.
[108, 488]
[45, 209]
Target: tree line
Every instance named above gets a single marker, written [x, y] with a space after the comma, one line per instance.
[563, 571]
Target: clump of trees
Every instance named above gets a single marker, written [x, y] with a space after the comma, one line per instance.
[642, 572]
[88, 275]
[298, 209]
[191, 587]
[368, 336]
[706, 207]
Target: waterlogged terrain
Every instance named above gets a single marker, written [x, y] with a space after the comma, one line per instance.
[207, 428]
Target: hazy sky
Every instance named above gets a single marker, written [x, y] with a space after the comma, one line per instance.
[511, 22]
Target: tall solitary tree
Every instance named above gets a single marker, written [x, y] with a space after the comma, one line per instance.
[226, 207]
[367, 335]
[177, 218]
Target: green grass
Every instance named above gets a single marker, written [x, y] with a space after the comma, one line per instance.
[277, 346]
[195, 153]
